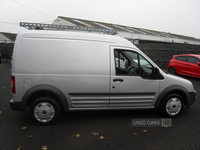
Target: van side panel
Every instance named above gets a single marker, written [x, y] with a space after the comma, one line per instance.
[38, 55]
[73, 66]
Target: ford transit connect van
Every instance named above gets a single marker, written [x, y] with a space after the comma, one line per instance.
[71, 71]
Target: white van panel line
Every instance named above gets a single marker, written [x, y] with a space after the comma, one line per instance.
[68, 39]
[137, 99]
[89, 100]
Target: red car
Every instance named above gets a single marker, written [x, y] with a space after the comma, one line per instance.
[186, 64]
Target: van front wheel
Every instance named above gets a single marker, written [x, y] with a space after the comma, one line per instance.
[44, 110]
[172, 105]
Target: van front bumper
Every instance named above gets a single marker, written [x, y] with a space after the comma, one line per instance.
[16, 105]
[193, 97]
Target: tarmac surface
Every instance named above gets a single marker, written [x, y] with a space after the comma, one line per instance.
[73, 130]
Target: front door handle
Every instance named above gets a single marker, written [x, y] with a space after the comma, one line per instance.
[120, 80]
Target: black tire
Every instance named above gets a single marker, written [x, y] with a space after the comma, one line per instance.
[44, 110]
[172, 70]
[172, 105]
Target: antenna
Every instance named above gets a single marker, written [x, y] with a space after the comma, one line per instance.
[40, 26]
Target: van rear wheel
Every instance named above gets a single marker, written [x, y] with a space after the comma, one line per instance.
[172, 105]
[44, 110]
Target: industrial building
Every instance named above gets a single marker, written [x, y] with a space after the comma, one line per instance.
[135, 35]
[7, 37]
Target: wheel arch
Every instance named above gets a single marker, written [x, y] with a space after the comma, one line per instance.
[45, 90]
[174, 89]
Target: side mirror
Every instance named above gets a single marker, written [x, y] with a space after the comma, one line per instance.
[198, 63]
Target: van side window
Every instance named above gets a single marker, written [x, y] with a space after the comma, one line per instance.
[132, 64]
[126, 63]
[146, 69]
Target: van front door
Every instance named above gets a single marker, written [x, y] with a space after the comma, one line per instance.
[132, 82]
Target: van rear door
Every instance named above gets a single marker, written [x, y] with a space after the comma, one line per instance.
[132, 82]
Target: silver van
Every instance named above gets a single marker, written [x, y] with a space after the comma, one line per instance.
[54, 71]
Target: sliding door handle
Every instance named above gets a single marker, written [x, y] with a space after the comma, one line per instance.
[120, 80]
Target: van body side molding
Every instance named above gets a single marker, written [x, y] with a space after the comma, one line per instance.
[139, 93]
[111, 100]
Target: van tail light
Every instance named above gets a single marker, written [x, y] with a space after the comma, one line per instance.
[13, 84]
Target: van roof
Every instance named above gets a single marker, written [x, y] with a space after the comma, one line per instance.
[86, 36]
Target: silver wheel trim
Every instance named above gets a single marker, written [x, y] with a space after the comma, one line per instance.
[173, 106]
[44, 112]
